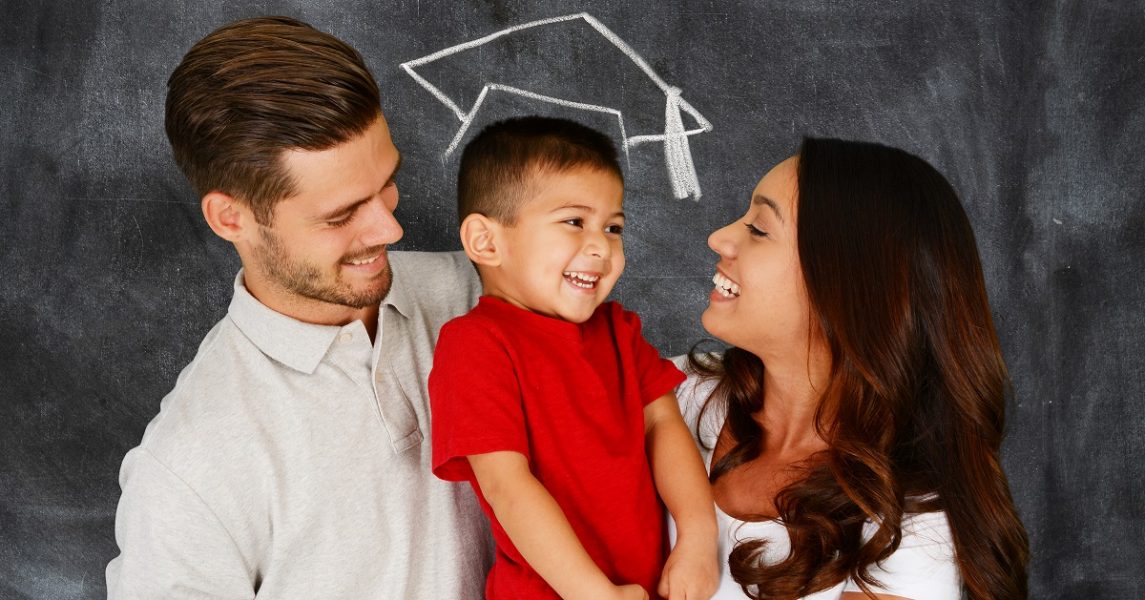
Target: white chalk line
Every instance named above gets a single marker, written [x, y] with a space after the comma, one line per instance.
[681, 169]
[497, 87]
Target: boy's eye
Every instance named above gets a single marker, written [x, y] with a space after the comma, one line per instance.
[614, 229]
[575, 222]
[755, 231]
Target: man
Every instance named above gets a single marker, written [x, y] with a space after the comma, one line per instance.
[290, 460]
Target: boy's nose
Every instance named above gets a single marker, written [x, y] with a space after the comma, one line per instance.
[597, 246]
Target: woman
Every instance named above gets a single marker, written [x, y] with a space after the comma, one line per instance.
[858, 416]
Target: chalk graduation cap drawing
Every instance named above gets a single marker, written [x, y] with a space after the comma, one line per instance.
[573, 62]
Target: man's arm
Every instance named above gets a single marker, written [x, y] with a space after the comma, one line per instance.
[171, 544]
[692, 570]
[539, 529]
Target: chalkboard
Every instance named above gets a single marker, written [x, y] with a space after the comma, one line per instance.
[1034, 111]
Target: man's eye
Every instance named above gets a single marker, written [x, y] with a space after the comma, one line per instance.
[614, 229]
[340, 222]
[755, 231]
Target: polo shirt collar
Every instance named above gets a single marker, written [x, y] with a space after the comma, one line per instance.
[298, 345]
[399, 297]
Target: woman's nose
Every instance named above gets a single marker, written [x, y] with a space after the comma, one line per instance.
[721, 241]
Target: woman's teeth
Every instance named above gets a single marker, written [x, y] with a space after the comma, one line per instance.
[581, 280]
[726, 287]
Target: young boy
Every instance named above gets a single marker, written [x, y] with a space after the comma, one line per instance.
[547, 399]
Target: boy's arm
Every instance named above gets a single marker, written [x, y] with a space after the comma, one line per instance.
[539, 529]
[691, 571]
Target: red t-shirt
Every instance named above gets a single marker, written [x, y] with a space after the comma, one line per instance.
[571, 399]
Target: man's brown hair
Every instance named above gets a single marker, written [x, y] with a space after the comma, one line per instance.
[499, 165]
[255, 88]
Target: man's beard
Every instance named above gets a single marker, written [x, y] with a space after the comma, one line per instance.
[307, 280]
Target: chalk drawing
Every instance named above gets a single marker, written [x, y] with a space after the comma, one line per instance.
[678, 155]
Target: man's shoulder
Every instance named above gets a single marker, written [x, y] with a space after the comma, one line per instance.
[210, 394]
[443, 282]
[430, 271]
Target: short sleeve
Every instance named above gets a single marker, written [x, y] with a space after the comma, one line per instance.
[475, 398]
[923, 567]
[657, 376]
[171, 544]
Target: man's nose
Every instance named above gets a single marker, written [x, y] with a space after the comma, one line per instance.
[379, 227]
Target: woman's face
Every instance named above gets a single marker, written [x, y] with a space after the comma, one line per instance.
[759, 302]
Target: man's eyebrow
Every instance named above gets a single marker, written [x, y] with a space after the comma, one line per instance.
[768, 202]
[352, 206]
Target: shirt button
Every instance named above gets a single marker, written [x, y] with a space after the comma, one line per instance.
[345, 337]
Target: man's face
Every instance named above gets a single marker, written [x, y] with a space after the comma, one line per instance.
[325, 251]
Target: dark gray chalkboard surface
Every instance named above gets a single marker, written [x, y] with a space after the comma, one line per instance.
[109, 278]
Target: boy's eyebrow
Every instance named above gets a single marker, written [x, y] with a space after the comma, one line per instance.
[352, 206]
[618, 213]
[768, 202]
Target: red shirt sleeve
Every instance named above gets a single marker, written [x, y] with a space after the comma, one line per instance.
[475, 398]
[657, 376]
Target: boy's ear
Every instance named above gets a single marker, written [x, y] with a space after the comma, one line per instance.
[227, 217]
[479, 237]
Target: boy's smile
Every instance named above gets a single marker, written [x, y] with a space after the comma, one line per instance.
[564, 253]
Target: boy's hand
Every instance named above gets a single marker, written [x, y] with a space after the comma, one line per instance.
[630, 592]
[689, 575]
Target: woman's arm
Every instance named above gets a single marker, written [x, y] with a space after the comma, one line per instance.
[692, 570]
[540, 531]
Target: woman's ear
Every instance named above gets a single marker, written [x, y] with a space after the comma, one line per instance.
[479, 238]
[227, 217]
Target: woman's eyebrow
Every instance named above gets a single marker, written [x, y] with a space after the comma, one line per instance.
[764, 200]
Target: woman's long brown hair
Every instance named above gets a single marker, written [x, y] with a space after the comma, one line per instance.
[914, 409]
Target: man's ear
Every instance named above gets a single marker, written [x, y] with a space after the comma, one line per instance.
[227, 217]
[479, 237]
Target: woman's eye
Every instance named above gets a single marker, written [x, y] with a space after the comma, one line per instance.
[755, 231]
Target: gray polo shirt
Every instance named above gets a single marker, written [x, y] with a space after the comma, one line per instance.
[291, 460]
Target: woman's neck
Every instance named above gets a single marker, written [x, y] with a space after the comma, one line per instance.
[793, 384]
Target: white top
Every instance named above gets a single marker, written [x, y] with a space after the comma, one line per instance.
[289, 461]
[922, 568]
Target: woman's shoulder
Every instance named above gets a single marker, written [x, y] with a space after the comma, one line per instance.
[693, 394]
[923, 566]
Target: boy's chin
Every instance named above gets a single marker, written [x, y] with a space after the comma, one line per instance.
[578, 314]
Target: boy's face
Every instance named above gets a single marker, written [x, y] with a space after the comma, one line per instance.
[564, 253]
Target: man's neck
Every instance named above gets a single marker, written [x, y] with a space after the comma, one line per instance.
[309, 310]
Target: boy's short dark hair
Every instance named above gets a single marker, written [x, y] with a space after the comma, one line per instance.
[498, 165]
[255, 88]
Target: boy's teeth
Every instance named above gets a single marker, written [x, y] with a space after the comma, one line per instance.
[726, 287]
[583, 280]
